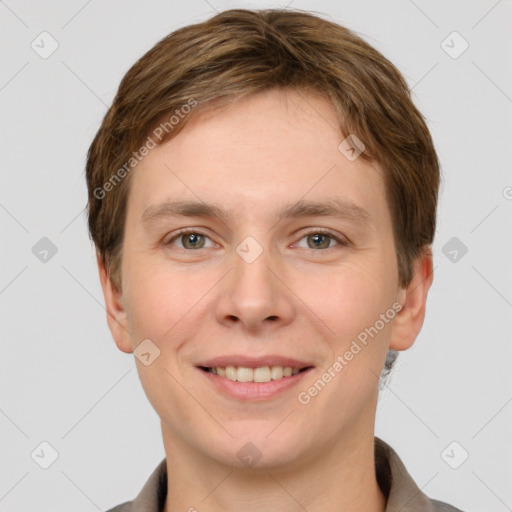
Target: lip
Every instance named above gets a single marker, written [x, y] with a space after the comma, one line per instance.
[253, 391]
[253, 362]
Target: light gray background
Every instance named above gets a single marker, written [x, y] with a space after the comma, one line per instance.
[62, 378]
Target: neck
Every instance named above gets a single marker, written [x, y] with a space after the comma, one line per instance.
[340, 478]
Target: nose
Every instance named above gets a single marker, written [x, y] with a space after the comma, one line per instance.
[255, 296]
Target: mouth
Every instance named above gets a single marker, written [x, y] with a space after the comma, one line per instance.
[254, 379]
[260, 374]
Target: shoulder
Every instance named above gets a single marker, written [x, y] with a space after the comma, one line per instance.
[399, 487]
[440, 506]
[123, 507]
[152, 496]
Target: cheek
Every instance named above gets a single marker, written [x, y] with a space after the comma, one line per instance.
[162, 306]
[349, 299]
[162, 300]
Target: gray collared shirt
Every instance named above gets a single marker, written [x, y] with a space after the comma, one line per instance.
[403, 495]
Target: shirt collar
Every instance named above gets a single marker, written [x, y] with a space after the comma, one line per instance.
[393, 478]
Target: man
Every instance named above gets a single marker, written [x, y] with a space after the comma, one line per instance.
[262, 197]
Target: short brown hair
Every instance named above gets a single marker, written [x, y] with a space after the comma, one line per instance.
[240, 52]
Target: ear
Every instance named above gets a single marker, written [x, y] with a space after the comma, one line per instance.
[409, 320]
[116, 314]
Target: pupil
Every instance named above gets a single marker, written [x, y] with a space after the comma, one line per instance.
[317, 240]
[192, 239]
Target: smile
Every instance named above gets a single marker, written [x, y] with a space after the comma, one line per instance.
[258, 375]
[258, 384]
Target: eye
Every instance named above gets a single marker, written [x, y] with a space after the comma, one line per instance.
[321, 240]
[189, 240]
[194, 240]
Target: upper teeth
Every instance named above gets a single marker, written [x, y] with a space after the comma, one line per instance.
[261, 374]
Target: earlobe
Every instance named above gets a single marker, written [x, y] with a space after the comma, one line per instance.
[116, 313]
[409, 320]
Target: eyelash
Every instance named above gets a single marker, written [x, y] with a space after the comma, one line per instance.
[340, 241]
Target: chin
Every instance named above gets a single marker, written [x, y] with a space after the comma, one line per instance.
[256, 449]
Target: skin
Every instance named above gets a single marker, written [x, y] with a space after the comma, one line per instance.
[252, 158]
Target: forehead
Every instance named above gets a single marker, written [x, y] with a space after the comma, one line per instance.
[264, 149]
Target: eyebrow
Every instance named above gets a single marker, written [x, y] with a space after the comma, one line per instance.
[332, 207]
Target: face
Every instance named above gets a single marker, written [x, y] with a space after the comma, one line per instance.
[253, 242]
